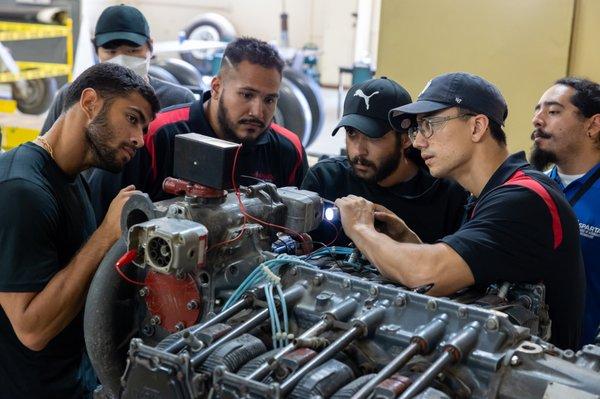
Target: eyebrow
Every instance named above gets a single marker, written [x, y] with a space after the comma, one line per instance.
[139, 113]
[253, 90]
[548, 104]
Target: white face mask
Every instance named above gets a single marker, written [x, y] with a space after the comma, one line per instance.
[137, 64]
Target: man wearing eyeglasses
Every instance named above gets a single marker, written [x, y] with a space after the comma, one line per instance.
[519, 227]
[382, 166]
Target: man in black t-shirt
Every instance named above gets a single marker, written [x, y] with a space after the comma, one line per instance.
[519, 226]
[239, 108]
[50, 245]
[383, 167]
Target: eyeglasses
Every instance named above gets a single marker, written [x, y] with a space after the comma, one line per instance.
[427, 126]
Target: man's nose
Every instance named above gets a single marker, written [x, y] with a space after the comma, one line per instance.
[137, 139]
[538, 119]
[256, 108]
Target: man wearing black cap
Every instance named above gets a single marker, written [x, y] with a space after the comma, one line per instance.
[519, 227]
[122, 36]
[383, 167]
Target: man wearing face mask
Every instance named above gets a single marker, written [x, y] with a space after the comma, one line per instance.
[122, 36]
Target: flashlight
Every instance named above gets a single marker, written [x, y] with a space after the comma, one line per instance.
[331, 212]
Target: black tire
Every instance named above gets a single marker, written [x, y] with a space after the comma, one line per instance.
[158, 72]
[208, 26]
[185, 73]
[294, 109]
[312, 93]
[37, 96]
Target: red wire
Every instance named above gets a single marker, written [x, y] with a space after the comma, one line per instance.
[337, 232]
[123, 261]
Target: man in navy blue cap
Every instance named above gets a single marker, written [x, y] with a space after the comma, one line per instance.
[519, 227]
[382, 166]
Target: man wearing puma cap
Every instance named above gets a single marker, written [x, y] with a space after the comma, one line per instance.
[382, 166]
[519, 227]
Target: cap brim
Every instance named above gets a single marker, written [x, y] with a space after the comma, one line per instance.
[371, 127]
[418, 107]
[104, 38]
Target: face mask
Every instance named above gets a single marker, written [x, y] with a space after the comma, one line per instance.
[137, 64]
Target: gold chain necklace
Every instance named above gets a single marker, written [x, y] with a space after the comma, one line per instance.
[45, 145]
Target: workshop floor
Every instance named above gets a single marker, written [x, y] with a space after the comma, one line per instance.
[324, 144]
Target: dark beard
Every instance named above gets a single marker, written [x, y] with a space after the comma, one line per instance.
[228, 127]
[387, 167]
[98, 134]
[541, 159]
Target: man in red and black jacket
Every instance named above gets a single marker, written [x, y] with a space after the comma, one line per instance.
[239, 108]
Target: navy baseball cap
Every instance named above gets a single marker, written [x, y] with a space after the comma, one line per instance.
[367, 105]
[121, 23]
[458, 89]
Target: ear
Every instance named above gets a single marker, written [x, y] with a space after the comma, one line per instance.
[90, 102]
[480, 124]
[151, 45]
[216, 86]
[405, 141]
[594, 128]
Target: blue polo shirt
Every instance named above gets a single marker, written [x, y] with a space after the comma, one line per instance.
[587, 210]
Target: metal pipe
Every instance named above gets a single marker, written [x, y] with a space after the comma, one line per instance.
[237, 307]
[429, 374]
[362, 326]
[340, 312]
[291, 296]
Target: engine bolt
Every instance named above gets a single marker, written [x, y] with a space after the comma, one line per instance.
[191, 305]
[515, 361]
[148, 330]
[400, 300]
[318, 279]
[179, 326]
[491, 324]
[155, 320]
[462, 312]
[431, 305]
[373, 290]
[346, 283]
[294, 271]
[143, 292]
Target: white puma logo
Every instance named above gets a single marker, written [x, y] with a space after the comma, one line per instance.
[359, 93]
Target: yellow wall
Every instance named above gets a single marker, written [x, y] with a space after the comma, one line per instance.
[585, 50]
[520, 46]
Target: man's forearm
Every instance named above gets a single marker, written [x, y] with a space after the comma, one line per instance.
[53, 308]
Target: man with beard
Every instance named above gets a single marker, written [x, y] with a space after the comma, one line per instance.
[519, 227]
[49, 249]
[567, 133]
[239, 108]
[383, 167]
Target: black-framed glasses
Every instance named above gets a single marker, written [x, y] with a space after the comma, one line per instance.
[428, 126]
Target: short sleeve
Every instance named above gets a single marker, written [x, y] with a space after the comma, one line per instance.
[508, 239]
[28, 227]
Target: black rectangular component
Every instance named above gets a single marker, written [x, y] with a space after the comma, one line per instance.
[204, 160]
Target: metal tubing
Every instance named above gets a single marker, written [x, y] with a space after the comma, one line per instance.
[325, 355]
[388, 370]
[237, 307]
[429, 374]
[291, 296]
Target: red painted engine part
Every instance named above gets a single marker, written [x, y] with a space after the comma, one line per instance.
[184, 187]
[173, 303]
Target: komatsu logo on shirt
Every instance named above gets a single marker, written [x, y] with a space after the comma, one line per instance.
[589, 231]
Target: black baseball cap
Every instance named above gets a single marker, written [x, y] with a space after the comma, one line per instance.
[458, 89]
[121, 23]
[367, 105]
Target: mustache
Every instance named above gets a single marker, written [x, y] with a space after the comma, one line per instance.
[253, 121]
[539, 133]
[358, 160]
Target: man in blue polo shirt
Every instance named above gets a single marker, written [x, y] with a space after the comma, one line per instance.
[519, 227]
[567, 134]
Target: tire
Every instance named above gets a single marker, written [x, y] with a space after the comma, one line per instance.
[312, 93]
[184, 72]
[158, 72]
[294, 110]
[208, 26]
[38, 95]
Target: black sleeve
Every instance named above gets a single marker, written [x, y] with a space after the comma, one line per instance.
[311, 181]
[55, 109]
[508, 239]
[28, 225]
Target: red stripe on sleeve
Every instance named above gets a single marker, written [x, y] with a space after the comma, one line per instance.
[295, 140]
[162, 119]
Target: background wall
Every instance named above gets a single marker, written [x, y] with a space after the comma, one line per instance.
[521, 46]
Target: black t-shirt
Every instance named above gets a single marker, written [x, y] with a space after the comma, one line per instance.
[527, 234]
[277, 156]
[45, 218]
[432, 208]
